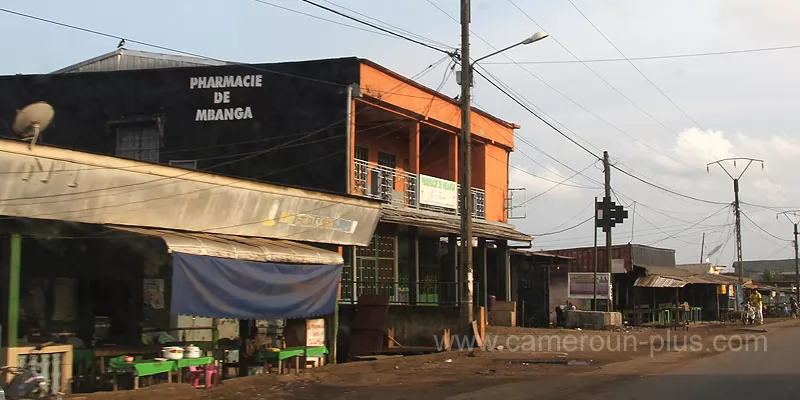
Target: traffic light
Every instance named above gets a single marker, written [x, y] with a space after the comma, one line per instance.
[609, 214]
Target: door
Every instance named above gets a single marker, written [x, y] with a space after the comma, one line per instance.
[533, 289]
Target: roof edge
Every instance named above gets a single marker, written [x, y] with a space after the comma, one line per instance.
[441, 95]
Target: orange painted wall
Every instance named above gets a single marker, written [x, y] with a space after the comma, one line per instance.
[489, 160]
[380, 85]
[496, 183]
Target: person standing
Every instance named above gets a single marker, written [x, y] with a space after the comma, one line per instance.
[793, 307]
[755, 300]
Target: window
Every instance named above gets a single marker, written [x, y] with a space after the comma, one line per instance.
[138, 141]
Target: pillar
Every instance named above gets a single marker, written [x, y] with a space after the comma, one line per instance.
[413, 265]
[452, 158]
[413, 160]
[14, 269]
[504, 269]
[479, 265]
[450, 272]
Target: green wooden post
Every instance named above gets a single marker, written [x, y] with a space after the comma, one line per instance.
[13, 289]
[335, 346]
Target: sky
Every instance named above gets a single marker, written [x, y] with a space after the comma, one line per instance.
[660, 119]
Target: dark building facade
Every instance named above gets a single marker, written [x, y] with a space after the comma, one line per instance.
[280, 123]
[346, 126]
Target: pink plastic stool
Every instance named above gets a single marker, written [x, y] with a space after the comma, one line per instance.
[196, 373]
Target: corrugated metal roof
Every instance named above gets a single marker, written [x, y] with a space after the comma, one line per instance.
[676, 277]
[124, 59]
[239, 247]
[450, 224]
[656, 281]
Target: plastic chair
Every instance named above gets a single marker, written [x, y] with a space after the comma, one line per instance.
[197, 373]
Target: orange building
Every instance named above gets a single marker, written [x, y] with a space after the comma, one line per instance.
[413, 167]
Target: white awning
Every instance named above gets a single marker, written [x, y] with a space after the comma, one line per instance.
[239, 247]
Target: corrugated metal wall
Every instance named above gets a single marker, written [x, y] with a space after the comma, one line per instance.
[651, 256]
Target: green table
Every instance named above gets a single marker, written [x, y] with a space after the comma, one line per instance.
[316, 351]
[190, 362]
[279, 357]
[141, 368]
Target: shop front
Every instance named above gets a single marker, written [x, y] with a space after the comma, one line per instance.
[109, 261]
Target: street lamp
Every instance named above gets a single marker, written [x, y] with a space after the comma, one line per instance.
[533, 39]
[465, 163]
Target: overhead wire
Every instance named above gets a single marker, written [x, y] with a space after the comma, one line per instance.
[634, 65]
[403, 30]
[619, 92]
[374, 26]
[565, 229]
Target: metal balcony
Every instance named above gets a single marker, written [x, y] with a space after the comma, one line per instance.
[401, 188]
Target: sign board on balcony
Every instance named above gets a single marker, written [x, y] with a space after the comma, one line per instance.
[438, 192]
[581, 285]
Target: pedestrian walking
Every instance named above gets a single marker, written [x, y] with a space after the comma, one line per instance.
[755, 300]
[793, 307]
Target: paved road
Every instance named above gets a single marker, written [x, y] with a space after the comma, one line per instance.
[766, 368]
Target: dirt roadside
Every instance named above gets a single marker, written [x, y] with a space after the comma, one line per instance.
[598, 357]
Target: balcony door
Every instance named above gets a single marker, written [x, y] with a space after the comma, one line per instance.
[385, 178]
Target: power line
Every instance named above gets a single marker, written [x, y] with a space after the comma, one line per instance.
[558, 184]
[762, 229]
[662, 188]
[692, 226]
[477, 71]
[184, 52]
[634, 65]
[565, 229]
[341, 14]
[619, 92]
[661, 57]
[390, 25]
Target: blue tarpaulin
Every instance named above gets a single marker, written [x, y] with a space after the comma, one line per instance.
[215, 287]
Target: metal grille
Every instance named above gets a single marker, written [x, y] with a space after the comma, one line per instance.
[48, 365]
[375, 267]
[381, 182]
[138, 142]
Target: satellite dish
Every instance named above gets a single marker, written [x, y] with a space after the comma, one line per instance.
[32, 120]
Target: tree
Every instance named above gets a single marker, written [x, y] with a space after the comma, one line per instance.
[771, 275]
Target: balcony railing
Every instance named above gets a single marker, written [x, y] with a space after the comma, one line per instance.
[402, 189]
[402, 292]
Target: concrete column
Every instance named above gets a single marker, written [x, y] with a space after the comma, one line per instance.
[479, 264]
[452, 158]
[14, 271]
[413, 160]
[413, 264]
[450, 273]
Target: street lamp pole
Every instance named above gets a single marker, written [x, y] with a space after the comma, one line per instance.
[794, 222]
[465, 160]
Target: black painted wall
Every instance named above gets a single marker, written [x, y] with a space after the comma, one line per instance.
[297, 136]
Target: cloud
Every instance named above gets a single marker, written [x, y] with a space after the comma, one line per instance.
[701, 147]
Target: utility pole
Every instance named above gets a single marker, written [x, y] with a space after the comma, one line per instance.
[596, 212]
[794, 222]
[465, 169]
[607, 171]
[702, 247]
[737, 210]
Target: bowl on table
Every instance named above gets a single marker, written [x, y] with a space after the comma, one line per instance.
[172, 353]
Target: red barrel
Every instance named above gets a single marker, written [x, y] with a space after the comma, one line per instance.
[492, 302]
